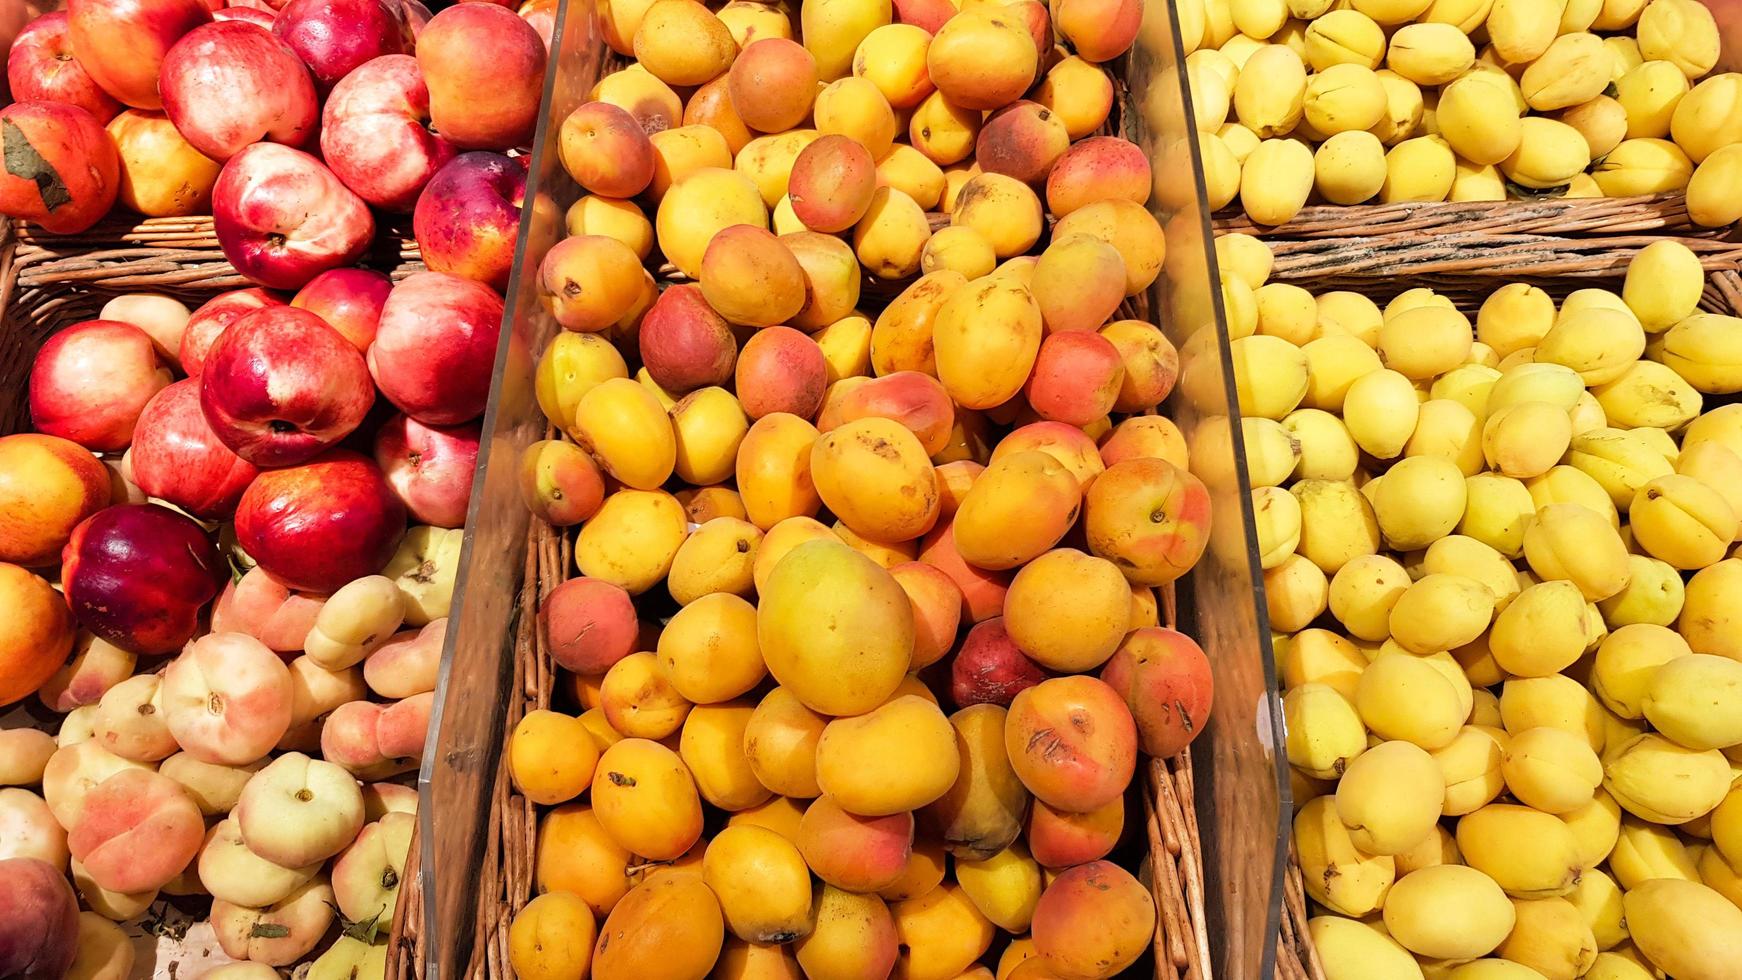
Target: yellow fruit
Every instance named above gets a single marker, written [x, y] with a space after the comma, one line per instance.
[1419, 169]
[1337, 523]
[1327, 450]
[705, 202]
[1275, 181]
[1471, 767]
[1390, 797]
[1696, 701]
[1575, 69]
[1626, 662]
[1573, 543]
[1684, 927]
[1549, 154]
[1703, 351]
[1542, 631]
[1363, 592]
[1344, 36]
[1648, 395]
[667, 928]
[712, 746]
[981, 813]
[1552, 770]
[986, 337]
[644, 798]
[1441, 612]
[1004, 887]
[1529, 853]
[1644, 851]
[1419, 501]
[763, 885]
[1551, 937]
[835, 628]
[1430, 53]
[1324, 732]
[1654, 595]
[717, 558]
[1352, 950]
[854, 936]
[1067, 610]
[891, 760]
[1405, 697]
[1268, 95]
[1448, 912]
[1381, 410]
[942, 934]
[551, 757]
[1655, 779]
[1710, 202]
[552, 938]
[1336, 874]
[1682, 521]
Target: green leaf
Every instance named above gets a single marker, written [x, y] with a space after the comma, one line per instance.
[24, 162]
[268, 930]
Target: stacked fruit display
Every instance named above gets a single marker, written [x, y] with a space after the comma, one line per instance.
[245, 641]
[1463, 100]
[1495, 568]
[865, 642]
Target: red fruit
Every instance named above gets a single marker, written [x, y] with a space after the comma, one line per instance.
[317, 526]
[138, 575]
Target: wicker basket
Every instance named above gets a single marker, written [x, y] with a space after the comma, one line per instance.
[49, 282]
[1466, 269]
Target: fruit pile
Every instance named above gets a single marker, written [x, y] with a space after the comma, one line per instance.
[1495, 568]
[1461, 100]
[865, 643]
[244, 643]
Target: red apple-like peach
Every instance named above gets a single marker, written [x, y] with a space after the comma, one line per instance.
[39, 920]
[316, 526]
[334, 37]
[90, 381]
[137, 575]
[122, 43]
[990, 669]
[349, 300]
[485, 69]
[280, 386]
[67, 171]
[230, 84]
[468, 217]
[213, 318]
[41, 68]
[282, 218]
[436, 347]
[177, 457]
[375, 133]
[429, 467]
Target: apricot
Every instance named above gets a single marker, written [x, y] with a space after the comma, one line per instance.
[1166, 680]
[874, 474]
[1003, 209]
[590, 624]
[613, 218]
[681, 42]
[669, 927]
[832, 184]
[1079, 283]
[1078, 92]
[577, 855]
[981, 813]
[550, 757]
[684, 344]
[711, 106]
[1072, 742]
[762, 883]
[1077, 378]
[708, 424]
[1100, 168]
[943, 131]
[942, 933]
[854, 666]
[1094, 920]
[552, 938]
[1068, 611]
[1062, 839]
[852, 937]
[570, 367]
[781, 370]
[645, 798]
[679, 152]
[893, 57]
[925, 869]
[937, 610]
[1019, 508]
[986, 337]
[701, 205]
[982, 589]
[856, 109]
[639, 700]
[1128, 227]
[772, 82]
[605, 150]
[712, 746]
[893, 759]
[1022, 140]
[1148, 517]
[749, 277]
[780, 743]
[590, 282]
[832, 283]
[136, 830]
[854, 853]
[40, 638]
[781, 814]
[751, 20]
[891, 235]
[1151, 365]
[982, 59]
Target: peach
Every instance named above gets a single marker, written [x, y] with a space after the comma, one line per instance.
[135, 831]
[79, 725]
[39, 920]
[751, 278]
[226, 85]
[232, 873]
[408, 663]
[772, 83]
[982, 589]
[1068, 444]
[467, 218]
[590, 282]
[367, 876]
[1128, 227]
[485, 70]
[854, 853]
[377, 741]
[165, 318]
[47, 486]
[1150, 518]
[832, 282]
[1076, 379]
[606, 151]
[1145, 436]
[24, 753]
[1151, 364]
[266, 609]
[355, 620]
[74, 771]
[684, 344]
[560, 483]
[679, 152]
[90, 382]
[298, 811]
[214, 787]
[1078, 283]
[105, 952]
[1098, 30]
[287, 930]
[639, 701]
[75, 161]
[96, 666]
[380, 799]
[349, 300]
[892, 57]
[982, 58]
[1165, 679]
[832, 183]
[781, 370]
[1022, 140]
[1020, 507]
[28, 829]
[990, 668]
[1094, 920]
[315, 692]
[375, 132]
[1072, 742]
[42, 67]
[1099, 168]
[212, 319]
[131, 721]
[590, 625]
[636, 91]
[915, 400]
[1079, 92]
[576, 855]
[711, 106]
[1062, 839]
[937, 610]
[227, 699]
